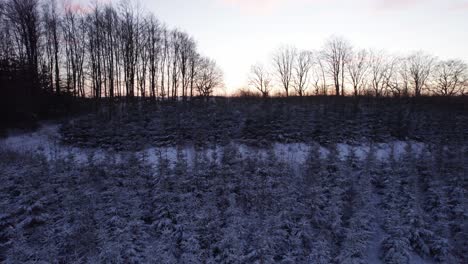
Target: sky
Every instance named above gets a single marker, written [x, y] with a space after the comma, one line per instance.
[239, 33]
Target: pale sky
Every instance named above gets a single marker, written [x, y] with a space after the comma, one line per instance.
[239, 33]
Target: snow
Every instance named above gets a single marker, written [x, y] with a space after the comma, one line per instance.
[374, 252]
[46, 141]
[253, 205]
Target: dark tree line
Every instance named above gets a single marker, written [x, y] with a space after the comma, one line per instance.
[51, 48]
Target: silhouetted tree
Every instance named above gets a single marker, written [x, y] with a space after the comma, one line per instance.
[154, 34]
[209, 77]
[302, 67]
[336, 55]
[260, 79]
[319, 79]
[419, 66]
[450, 78]
[24, 18]
[283, 61]
[381, 69]
[74, 30]
[358, 67]
[52, 26]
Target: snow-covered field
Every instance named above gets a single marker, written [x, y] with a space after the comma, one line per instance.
[395, 202]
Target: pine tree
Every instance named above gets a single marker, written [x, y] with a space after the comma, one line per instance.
[396, 245]
[435, 206]
[359, 214]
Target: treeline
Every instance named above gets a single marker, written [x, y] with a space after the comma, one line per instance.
[51, 48]
[340, 69]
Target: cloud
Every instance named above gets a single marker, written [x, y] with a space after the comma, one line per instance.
[77, 8]
[399, 4]
[268, 6]
[84, 6]
[265, 6]
[254, 6]
[271, 6]
[407, 4]
[461, 5]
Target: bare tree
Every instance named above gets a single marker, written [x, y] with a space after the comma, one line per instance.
[420, 66]
[382, 69]
[154, 53]
[391, 75]
[377, 72]
[74, 34]
[169, 58]
[302, 68]
[110, 20]
[144, 45]
[95, 41]
[283, 61]
[163, 60]
[187, 48]
[194, 59]
[358, 67]
[450, 78]
[128, 45]
[96, 50]
[49, 65]
[260, 79]
[399, 81]
[318, 77]
[24, 17]
[209, 78]
[176, 69]
[52, 26]
[336, 55]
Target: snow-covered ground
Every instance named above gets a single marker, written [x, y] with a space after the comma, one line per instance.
[292, 203]
[46, 141]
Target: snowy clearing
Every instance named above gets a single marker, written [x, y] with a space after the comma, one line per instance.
[47, 141]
